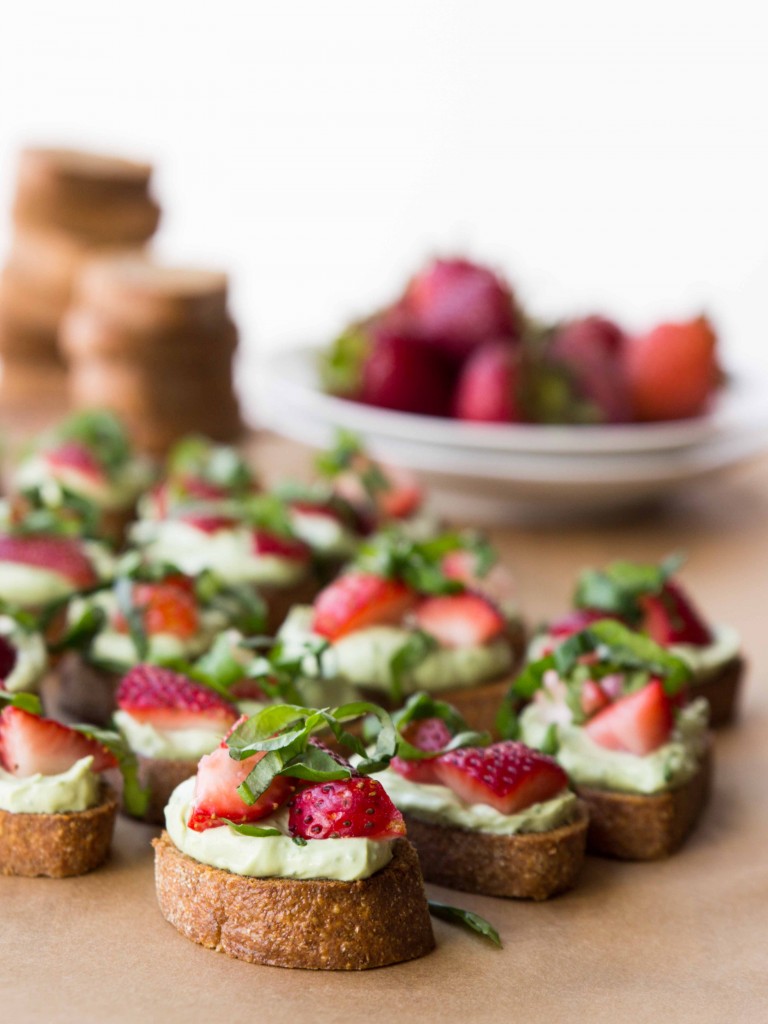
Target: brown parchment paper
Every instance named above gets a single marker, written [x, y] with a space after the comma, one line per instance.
[678, 941]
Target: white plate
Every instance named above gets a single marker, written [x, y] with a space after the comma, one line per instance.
[292, 377]
[553, 469]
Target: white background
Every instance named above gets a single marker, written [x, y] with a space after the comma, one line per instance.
[607, 156]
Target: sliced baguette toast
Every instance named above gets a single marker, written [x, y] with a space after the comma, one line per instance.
[314, 924]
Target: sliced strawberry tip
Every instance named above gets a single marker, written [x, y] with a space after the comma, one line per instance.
[30, 745]
[430, 734]
[61, 555]
[76, 456]
[507, 776]
[168, 700]
[267, 543]
[347, 808]
[637, 724]
[460, 620]
[216, 797]
[357, 600]
[671, 618]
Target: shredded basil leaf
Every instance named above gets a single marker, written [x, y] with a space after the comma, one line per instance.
[465, 919]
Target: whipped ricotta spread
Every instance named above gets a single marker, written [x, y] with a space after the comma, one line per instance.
[31, 657]
[76, 789]
[108, 493]
[324, 534]
[116, 649]
[589, 764]
[704, 660]
[166, 744]
[227, 552]
[364, 658]
[345, 860]
[439, 805]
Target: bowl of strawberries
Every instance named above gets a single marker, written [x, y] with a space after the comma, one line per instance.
[456, 380]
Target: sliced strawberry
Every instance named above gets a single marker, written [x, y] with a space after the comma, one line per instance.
[61, 555]
[73, 455]
[460, 620]
[324, 510]
[673, 370]
[593, 698]
[208, 523]
[267, 543]
[638, 723]
[402, 498]
[356, 600]
[508, 776]
[671, 618]
[8, 657]
[574, 622]
[426, 734]
[198, 487]
[30, 744]
[168, 608]
[216, 796]
[167, 700]
[345, 809]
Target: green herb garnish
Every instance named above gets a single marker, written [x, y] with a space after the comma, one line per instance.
[465, 919]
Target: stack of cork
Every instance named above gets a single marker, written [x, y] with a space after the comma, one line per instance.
[68, 206]
[155, 344]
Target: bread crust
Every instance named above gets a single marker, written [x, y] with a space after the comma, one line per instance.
[722, 691]
[631, 826]
[57, 845]
[314, 924]
[528, 866]
[161, 776]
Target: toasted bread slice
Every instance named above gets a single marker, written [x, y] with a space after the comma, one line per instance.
[722, 691]
[161, 776]
[57, 845]
[631, 826]
[529, 866]
[315, 924]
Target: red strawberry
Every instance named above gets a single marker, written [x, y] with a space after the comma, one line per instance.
[216, 796]
[460, 620]
[402, 373]
[8, 656]
[489, 386]
[456, 305]
[198, 487]
[592, 351]
[31, 744]
[638, 723]
[593, 698]
[309, 507]
[208, 523]
[426, 734]
[670, 618]
[508, 776]
[61, 555]
[673, 370]
[266, 543]
[402, 498]
[358, 599]
[73, 455]
[167, 700]
[344, 809]
[168, 608]
[574, 622]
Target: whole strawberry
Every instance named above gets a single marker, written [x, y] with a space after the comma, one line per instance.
[346, 808]
[402, 373]
[456, 305]
[592, 352]
[489, 387]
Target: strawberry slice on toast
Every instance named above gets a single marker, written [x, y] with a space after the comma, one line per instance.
[460, 620]
[347, 808]
[61, 555]
[357, 600]
[637, 724]
[168, 700]
[30, 744]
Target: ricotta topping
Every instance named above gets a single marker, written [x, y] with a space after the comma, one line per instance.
[364, 657]
[166, 744]
[31, 657]
[345, 860]
[76, 789]
[589, 764]
[227, 552]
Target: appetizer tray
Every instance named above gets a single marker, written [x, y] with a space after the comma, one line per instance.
[679, 940]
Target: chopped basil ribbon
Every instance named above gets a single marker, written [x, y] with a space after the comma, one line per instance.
[465, 919]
